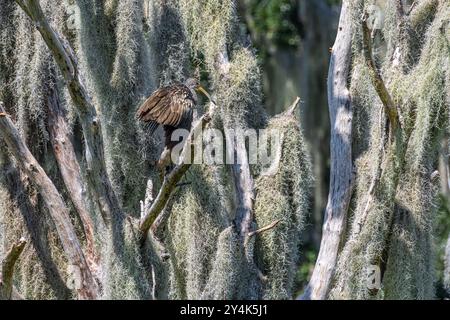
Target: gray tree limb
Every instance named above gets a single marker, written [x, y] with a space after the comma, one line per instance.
[8, 263]
[341, 174]
[59, 213]
[98, 180]
[71, 173]
[171, 180]
[447, 266]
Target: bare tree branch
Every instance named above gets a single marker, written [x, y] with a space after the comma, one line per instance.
[411, 8]
[293, 107]
[341, 173]
[243, 183]
[8, 263]
[447, 265]
[55, 205]
[171, 180]
[71, 173]
[266, 228]
[377, 81]
[98, 180]
[160, 221]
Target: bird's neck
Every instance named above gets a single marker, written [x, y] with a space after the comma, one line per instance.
[194, 95]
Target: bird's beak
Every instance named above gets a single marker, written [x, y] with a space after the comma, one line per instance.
[202, 90]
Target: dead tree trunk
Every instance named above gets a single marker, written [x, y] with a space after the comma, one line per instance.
[339, 102]
[395, 139]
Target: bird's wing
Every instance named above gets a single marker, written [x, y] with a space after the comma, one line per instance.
[167, 106]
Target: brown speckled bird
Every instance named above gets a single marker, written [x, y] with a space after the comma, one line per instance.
[172, 107]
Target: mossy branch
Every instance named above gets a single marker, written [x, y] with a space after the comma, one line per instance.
[171, 180]
[98, 180]
[243, 181]
[54, 203]
[8, 263]
[377, 81]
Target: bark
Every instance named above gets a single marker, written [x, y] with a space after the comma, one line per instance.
[341, 181]
[60, 137]
[8, 263]
[86, 288]
[447, 266]
[243, 183]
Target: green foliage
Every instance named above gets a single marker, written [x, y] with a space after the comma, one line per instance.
[276, 21]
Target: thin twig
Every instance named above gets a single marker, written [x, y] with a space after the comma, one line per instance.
[411, 8]
[293, 106]
[266, 228]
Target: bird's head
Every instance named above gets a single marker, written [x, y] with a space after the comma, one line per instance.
[194, 85]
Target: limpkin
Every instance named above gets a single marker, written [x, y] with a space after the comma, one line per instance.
[172, 107]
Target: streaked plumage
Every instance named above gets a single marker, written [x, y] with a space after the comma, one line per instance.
[172, 107]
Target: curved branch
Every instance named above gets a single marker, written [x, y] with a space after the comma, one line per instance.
[54, 203]
[171, 180]
[8, 263]
[266, 228]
